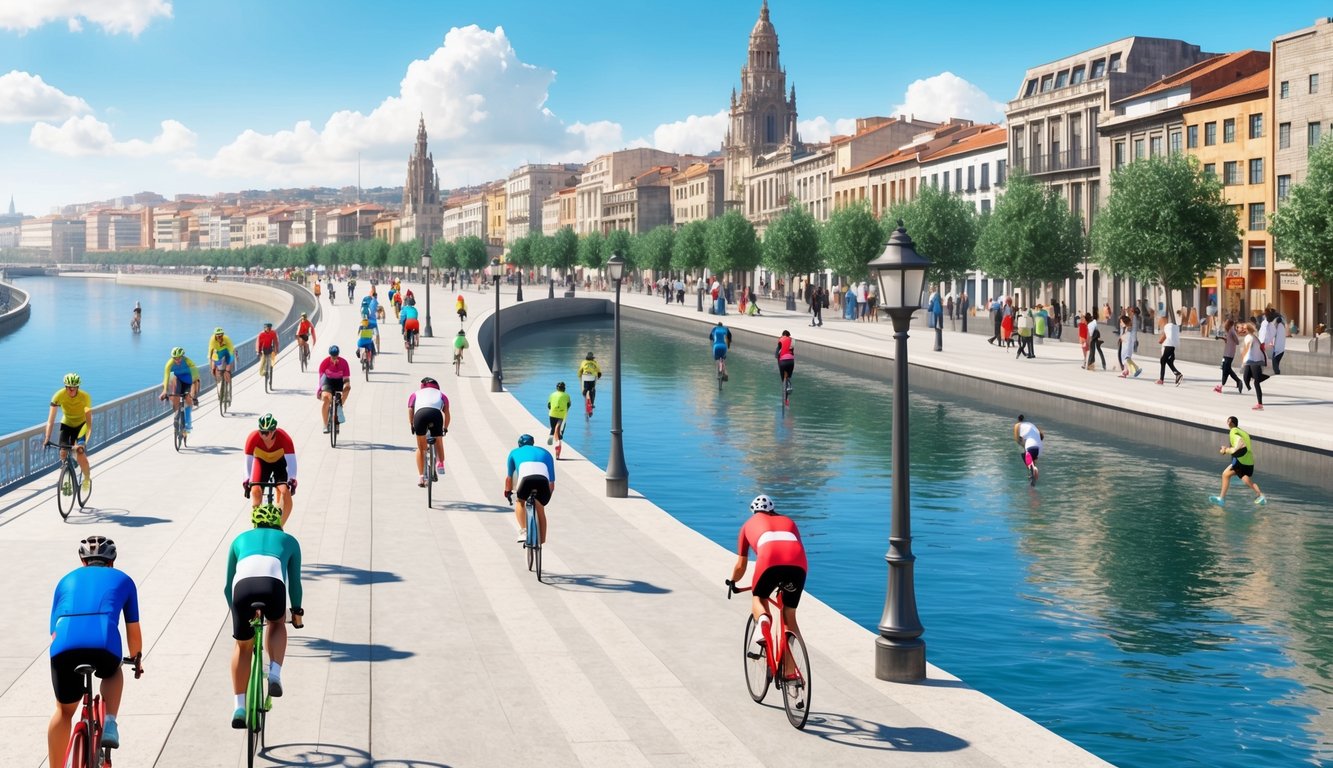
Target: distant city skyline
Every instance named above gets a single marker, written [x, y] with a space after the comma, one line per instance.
[102, 100]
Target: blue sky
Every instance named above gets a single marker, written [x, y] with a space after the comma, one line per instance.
[100, 98]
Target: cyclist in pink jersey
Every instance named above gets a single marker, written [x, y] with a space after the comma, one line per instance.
[779, 564]
[335, 375]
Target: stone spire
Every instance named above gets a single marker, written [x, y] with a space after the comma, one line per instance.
[423, 215]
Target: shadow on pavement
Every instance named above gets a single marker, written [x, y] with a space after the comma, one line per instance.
[95, 516]
[338, 755]
[348, 574]
[240, 415]
[867, 734]
[342, 652]
[213, 450]
[476, 506]
[356, 445]
[591, 582]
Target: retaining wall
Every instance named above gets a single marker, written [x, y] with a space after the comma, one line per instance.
[14, 308]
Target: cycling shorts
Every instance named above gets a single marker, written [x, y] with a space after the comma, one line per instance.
[366, 344]
[536, 486]
[1241, 470]
[70, 435]
[67, 683]
[270, 471]
[256, 589]
[719, 351]
[304, 337]
[411, 325]
[786, 366]
[589, 386]
[266, 350]
[221, 357]
[789, 578]
[183, 385]
[428, 421]
[333, 385]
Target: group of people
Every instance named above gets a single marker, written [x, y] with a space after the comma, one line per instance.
[1023, 327]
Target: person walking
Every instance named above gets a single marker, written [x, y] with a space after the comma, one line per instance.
[1094, 342]
[1169, 338]
[1127, 349]
[1230, 341]
[1277, 338]
[1241, 450]
[1253, 358]
[995, 321]
[817, 301]
[1024, 325]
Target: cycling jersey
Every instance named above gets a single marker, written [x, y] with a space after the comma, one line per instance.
[589, 371]
[72, 407]
[785, 351]
[460, 343]
[1030, 435]
[305, 328]
[220, 350]
[366, 337]
[267, 340]
[282, 450]
[408, 313]
[333, 368]
[183, 369]
[1246, 457]
[720, 336]
[530, 461]
[265, 553]
[427, 397]
[557, 405]
[775, 540]
[87, 608]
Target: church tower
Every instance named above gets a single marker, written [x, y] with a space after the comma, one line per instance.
[763, 117]
[423, 214]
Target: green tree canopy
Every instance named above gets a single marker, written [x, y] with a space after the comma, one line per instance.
[444, 254]
[520, 252]
[850, 239]
[564, 250]
[689, 250]
[731, 243]
[791, 243]
[943, 228]
[592, 250]
[1166, 222]
[621, 240]
[1302, 226]
[1031, 235]
[652, 250]
[472, 253]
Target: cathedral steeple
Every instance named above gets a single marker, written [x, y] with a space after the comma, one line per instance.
[423, 214]
[763, 117]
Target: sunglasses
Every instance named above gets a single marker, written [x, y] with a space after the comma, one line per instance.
[267, 431]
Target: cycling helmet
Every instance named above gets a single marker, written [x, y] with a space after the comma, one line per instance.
[333, 350]
[588, 357]
[429, 382]
[267, 423]
[304, 315]
[217, 331]
[762, 503]
[178, 351]
[266, 516]
[268, 325]
[72, 380]
[524, 440]
[97, 549]
[560, 385]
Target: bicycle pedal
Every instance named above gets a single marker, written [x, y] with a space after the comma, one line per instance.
[753, 655]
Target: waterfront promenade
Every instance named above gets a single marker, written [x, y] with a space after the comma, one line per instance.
[427, 641]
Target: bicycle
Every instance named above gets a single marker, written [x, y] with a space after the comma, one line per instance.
[224, 393]
[532, 542]
[458, 362]
[85, 748]
[69, 486]
[366, 361]
[258, 702]
[410, 344]
[721, 377]
[334, 409]
[764, 667]
[303, 354]
[786, 391]
[432, 476]
[134, 325]
[587, 405]
[266, 361]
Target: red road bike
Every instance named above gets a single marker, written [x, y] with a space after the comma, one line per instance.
[85, 749]
[763, 667]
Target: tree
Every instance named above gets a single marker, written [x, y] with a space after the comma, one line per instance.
[850, 239]
[621, 240]
[375, 253]
[791, 243]
[520, 252]
[689, 251]
[732, 244]
[472, 253]
[592, 250]
[444, 255]
[1302, 226]
[1166, 222]
[564, 250]
[652, 250]
[1031, 236]
[943, 228]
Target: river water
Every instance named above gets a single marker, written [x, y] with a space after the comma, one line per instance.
[1112, 603]
[83, 325]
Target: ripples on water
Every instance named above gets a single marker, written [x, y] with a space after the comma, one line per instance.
[1113, 604]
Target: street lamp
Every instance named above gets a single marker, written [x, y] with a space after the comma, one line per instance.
[497, 376]
[617, 475]
[900, 654]
[425, 264]
[519, 296]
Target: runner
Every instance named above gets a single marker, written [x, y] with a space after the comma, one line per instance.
[557, 408]
[589, 373]
[1030, 437]
[1242, 463]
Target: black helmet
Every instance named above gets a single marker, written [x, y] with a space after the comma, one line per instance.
[524, 440]
[97, 549]
[560, 385]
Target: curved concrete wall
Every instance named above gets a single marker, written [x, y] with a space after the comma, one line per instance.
[19, 309]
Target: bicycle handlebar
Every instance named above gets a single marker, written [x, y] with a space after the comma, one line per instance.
[732, 589]
[135, 661]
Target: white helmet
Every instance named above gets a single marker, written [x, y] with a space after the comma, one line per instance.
[762, 503]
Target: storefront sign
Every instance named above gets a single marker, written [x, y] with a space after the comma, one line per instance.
[1235, 283]
[1290, 281]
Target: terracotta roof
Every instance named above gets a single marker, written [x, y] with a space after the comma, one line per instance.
[1203, 74]
[866, 132]
[1254, 84]
[988, 137]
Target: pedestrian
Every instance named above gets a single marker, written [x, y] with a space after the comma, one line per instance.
[1169, 338]
[1083, 340]
[872, 303]
[962, 309]
[818, 300]
[995, 320]
[850, 311]
[1241, 449]
[1127, 348]
[1040, 324]
[948, 304]
[1277, 338]
[1253, 358]
[1007, 327]
[1230, 341]
[745, 298]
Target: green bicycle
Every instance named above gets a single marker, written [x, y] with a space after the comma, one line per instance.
[258, 702]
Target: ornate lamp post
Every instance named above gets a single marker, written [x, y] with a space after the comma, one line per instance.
[497, 375]
[900, 654]
[617, 475]
[425, 265]
[519, 296]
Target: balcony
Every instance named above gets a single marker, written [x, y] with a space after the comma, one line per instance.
[1056, 162]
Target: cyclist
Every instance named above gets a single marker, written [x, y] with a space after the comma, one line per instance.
[76, 423]
[270, 457]
[351, 289]
[266, 347]
[181, 377]
[393, 292]
[263, 565]
[589, 373]
[318, 290]
[557, 408]
[333, 291]
[786, 355]
[305, 331]
[428, 413]
[221, 353]
[370, 309]
[460, 344]
[407, 318]
[460, 306]
[137, 320]
[334, 376]
[1029, 436]
[529, 471]
[85, 629]
[721, 338]
[365, 341]
[779, 564]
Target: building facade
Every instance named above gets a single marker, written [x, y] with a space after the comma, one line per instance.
[525, 190]
[697, 192]
[423, 211]
[64, 238]
[609, 172]
[763, 115]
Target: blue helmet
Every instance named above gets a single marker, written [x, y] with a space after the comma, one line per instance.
[333, 350]
[524, 440]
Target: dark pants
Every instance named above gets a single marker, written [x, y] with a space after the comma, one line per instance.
[1095, 349]
[819, 314]
[1277, 363]
[1168, 360]
[1228, 373]
[996, 336]
[1254, 373]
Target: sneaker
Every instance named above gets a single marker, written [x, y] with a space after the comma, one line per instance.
[1159, 382]
[1124, 374]
[421, 481]
[522, 535]
[760, 637]
[1258, 407]
[1218, 500]
[110, 735]
[238, 718]
[1262, 501]
[1179, 376]
[550, 439]
[439, 466]
[1136, 373]
[87, 484]
[1218, 389]
[275, 686]
[326, 429]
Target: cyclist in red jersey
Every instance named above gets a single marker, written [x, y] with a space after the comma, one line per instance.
[779, 564]
[270, 457]
[266, 343]
[305, 330]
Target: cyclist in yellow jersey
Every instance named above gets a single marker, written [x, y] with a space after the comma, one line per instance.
[221, 354]
[76, 423]
[589, 373]
[557, 407]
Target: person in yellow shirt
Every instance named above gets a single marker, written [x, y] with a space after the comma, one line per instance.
[589, 373]
[221, 354]
[76, 423]
[557, 407]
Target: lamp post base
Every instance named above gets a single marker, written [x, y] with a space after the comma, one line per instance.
[496, 384]
[550, 289]
[939, 337]
[617, 488]
[900, 661]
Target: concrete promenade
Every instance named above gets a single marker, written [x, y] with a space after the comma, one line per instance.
[427, 641]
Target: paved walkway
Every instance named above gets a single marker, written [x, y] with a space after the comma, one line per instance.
[427, 641]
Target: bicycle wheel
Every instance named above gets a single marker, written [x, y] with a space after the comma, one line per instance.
[796, 693]
[430, 472]
[79, 753]
[458, 363]
[255, 699]
[222, 397]
[83, 494]
[757, 676]
[365, 364]
[534, 535]
[65, 490]
[178, 430]
[268, 376]
[409, 351]
[333, 425]
[304, 356]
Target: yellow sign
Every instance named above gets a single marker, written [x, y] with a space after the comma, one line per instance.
[1208, 282]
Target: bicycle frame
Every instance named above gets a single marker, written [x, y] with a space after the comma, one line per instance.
[85, 749]
[776, 627]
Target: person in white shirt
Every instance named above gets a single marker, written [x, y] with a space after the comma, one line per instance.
[1030, 437]
[1169, 338]
[1276, 339]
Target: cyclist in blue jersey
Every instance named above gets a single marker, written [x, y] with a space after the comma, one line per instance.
[407, 319]
[529, 471]
[370, 308]
[721, 338]
[85, 629]
[181, 377]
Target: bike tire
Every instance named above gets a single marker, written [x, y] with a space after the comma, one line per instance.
[255, 696]
[178, 430]
[222, 397]
[65, 502]
[430, 474]
[79, 752]
[534, 533]
[79, 492]
[796, 694]
[458, 364]
[333, 424]
[365, 366]
[304, 356]
[757, 674]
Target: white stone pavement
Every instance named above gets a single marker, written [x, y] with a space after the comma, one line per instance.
[427, 642]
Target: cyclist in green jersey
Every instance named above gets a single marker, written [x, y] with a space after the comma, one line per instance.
[460, 344]
[557, 408]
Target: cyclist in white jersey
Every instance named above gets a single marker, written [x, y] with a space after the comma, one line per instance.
[428, 413]
[1030, 437]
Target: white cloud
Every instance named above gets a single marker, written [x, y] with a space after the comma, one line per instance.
[820, 129]
[947, 95]
[114, 16]
[82, 136]
[26, 97]
[695, 135]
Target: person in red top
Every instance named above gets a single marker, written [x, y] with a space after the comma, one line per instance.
[335, 375]
[779, 563]
[305, 330]
[266, 347]
[270, 457]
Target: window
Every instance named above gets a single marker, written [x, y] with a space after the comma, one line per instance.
[1256, 126]
[1032, 87]
[1076, 200]
[1119, 155]
[1209, 134]
[935, 180]
[1173, 144]
[1138, 149]
[971, 178]
[1000, 166]
[1062, 79]
[1078, 75]
[1016, 141]
[1283, 188]
[1283, 89]
[946, 181]
[958, 179]
[1047, 82]
[1098, 68]
[1312, 134]
[1231, 172]
[1258, 256]
[1155, 146]
[985, 207]
[1094, 195]
[985, 175]
[1228, 130]
[1210, 170]
[1283, 135]
[1257, 171]
[1314, 83]
[1115, 62]
[1192, 137]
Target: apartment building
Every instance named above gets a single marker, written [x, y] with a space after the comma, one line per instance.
[972, 166]
[353, 222]
[465, 216]
[878, 180]
[697, 192]
[1301, 105]
[608, 172]
[496, 213]
[812, 180]
[64, 238]
[559, 210]
[110, 229]
[525, 190]
[641, 204]
[171, 227]
[388, 227]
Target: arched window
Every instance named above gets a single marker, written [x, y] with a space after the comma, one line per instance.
[770, 128]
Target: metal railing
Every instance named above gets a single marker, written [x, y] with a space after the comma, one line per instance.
[1052, 162]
